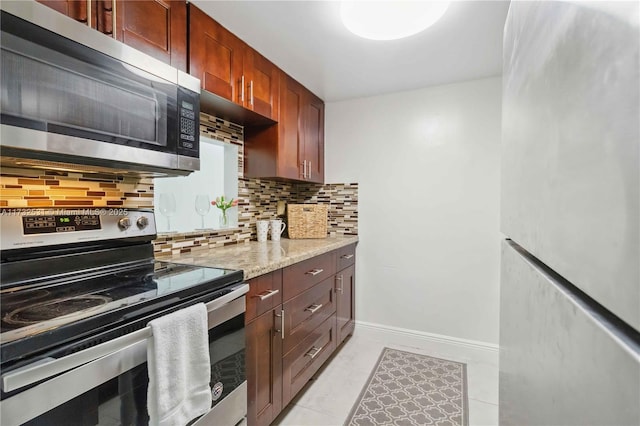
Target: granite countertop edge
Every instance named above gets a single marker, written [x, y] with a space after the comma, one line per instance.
[256, 259]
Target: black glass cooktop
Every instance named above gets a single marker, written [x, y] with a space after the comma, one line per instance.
[49, 311]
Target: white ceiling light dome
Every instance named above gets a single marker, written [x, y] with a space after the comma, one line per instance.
[390, 20]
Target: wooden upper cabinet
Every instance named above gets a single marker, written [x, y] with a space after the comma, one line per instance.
[313, 152]
[294, 148]
[262, 83]
[291, 122]
[215, 56]
[155, 27]
[76, 9]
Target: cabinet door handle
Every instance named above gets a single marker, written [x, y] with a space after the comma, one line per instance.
[341, 279]
[89, 13]
[113, 19]
[242, 89]
[267, 294]
[309, 169]
[313, 308]
[313, 352]
[304, 169]
[281, 331]
[251, 93]
[346, 256]
[314, 272]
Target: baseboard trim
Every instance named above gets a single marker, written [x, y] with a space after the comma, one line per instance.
[432, 337]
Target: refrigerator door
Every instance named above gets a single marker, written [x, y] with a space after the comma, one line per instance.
[571, 144]
[561, 361]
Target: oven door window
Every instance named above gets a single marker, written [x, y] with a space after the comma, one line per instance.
[227, 354]
[59, 86]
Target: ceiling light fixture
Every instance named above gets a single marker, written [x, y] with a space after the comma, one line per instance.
[390, 20]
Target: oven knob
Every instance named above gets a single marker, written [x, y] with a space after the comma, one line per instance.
[124, 223]
[142, 222]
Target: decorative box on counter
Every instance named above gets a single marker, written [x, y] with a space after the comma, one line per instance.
[307, 220]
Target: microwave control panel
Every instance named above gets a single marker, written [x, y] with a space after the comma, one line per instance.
[188, 111]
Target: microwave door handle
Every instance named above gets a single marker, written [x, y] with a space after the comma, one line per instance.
[49, 367]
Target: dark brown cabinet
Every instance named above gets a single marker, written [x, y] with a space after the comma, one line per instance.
[313, 152]
[81, 10]
[155, 27]
[215, 56]
[345, 302]
[264, 368]
[294, 148]
[264, 323]
[262, 84]
[229, 68]
[345, 287]
[296, 317]
[300, 363]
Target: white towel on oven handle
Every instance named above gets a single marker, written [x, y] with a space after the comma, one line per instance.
[179, 367]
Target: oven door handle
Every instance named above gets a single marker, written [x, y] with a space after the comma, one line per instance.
[232, 302]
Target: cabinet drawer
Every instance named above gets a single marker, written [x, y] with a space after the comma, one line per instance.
[303, 275]
[346, 256]
[265, 293]
[306, 311]
[305, 359]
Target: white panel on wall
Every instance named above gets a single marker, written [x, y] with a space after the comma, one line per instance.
[428, 166]
[218, 175]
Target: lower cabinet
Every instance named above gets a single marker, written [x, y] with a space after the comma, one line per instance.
[345, 302]
[299, 364]
[264, 368]
[296, 317]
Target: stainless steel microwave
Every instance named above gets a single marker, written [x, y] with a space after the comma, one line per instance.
[73, 96]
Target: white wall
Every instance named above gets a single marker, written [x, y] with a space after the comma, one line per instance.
[428, 166]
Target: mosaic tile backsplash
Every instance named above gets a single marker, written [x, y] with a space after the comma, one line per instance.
[257, 197]
[44, 188]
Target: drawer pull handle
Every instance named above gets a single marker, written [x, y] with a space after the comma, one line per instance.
[313, 352]
[315, 272]
[267, 294]
[346, 256]
[313, 308]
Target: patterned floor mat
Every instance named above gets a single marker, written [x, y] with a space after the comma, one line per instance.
[410, 389]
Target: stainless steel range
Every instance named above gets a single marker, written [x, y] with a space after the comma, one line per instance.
[77, 289]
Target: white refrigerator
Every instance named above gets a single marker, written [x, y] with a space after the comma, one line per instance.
[570, 274]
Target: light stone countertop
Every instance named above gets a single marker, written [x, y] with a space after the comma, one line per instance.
[256, 258]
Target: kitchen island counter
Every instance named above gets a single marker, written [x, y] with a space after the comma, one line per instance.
[256, 258]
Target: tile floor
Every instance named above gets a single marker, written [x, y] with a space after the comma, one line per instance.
[327, 399]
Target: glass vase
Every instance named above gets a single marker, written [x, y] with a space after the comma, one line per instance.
[224, 220]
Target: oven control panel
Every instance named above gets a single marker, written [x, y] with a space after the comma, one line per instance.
[38, 227]
[59, 223]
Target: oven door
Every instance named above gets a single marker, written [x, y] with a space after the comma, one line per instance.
[107, 384]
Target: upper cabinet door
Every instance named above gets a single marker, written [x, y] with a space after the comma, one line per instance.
[215, 57]
[155, 27]
[76, 9]
[261, 84]
[314, 138]
[289, 151]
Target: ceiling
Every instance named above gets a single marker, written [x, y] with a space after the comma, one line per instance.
[307, 40]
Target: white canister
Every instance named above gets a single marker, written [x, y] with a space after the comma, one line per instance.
[262, 229]
[277, 228]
